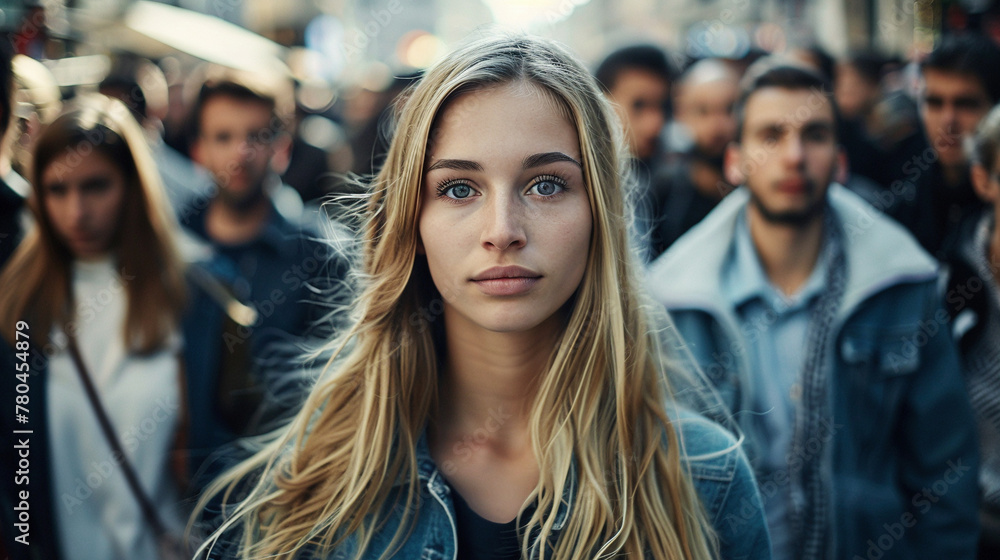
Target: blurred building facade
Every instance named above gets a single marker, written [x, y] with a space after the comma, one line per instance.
[350, 34]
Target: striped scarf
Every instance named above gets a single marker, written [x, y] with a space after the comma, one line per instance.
[811, 520]
[982, 364]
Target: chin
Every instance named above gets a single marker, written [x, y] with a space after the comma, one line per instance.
[512, 321]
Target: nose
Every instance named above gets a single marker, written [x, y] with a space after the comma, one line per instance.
[76, 208]
[503, 226]
[793, 151]
[654, 122]
[244, 149]
[949, 117]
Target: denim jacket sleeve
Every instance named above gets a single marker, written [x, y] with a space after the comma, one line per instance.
[725, 483]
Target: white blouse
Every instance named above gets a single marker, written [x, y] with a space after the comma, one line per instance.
[97, 515]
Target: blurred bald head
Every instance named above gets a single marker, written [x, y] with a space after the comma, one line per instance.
[705, 95]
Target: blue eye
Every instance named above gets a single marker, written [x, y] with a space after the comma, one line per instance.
[459, 191]
[548, 185]
[455, 191]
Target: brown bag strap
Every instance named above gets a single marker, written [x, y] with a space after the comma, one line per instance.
[148, 511]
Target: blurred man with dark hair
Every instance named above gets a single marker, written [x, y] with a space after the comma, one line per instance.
[637, 79]
[284, 270]
[960, 83]
[819, 322]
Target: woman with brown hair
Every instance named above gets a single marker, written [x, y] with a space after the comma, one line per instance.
[98, 321]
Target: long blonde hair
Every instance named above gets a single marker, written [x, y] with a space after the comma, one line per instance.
[36, 279]
[599, 404]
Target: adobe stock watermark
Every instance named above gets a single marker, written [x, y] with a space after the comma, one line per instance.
[87, 311]
[734, 11]
[102, 471]
[958, 298]
[796, 459]
[466, 447]
[905, 189]
[378, 18]
[922, 501]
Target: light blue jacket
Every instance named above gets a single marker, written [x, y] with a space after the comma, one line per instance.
[902, 423]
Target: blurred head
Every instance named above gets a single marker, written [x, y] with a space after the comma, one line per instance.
[985, 158]
[97, 193]
[857, 84]
[237, 122]
[95, 181]
[705, 95]
[84, 200]
[37, 101]
[637, 79]
[786, 151]
[140, 85]
[959, 84]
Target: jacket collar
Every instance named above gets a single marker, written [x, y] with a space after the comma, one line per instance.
[879, 254]
[279, 235]
[429, 474]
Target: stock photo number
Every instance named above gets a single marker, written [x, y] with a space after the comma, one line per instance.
[22, 438]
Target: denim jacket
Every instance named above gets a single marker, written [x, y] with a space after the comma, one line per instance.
[718, 467]
[902, 454]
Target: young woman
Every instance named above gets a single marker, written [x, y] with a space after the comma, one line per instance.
[100, 275]
[501, 394]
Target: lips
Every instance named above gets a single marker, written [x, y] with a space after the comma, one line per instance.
[794, 186]
[506, 280]
[81, 237]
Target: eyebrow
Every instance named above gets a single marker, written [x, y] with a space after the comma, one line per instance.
[458, 164]
[546, 158]
[818, 126]
[528, 162]
[781, 127]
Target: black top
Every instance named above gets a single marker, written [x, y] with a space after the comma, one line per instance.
[933, 211]
[11, 206]
[482, 539]
[676, 205]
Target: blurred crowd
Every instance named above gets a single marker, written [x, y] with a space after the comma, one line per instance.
[207, 219]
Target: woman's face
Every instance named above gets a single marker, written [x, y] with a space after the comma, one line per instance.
[83, 200]
[505, 219]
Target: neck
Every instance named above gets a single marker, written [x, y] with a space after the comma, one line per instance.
[233, 224]
[93, 257]
[489, 379]
[787, 252]
[954, 175]
[707, 179]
